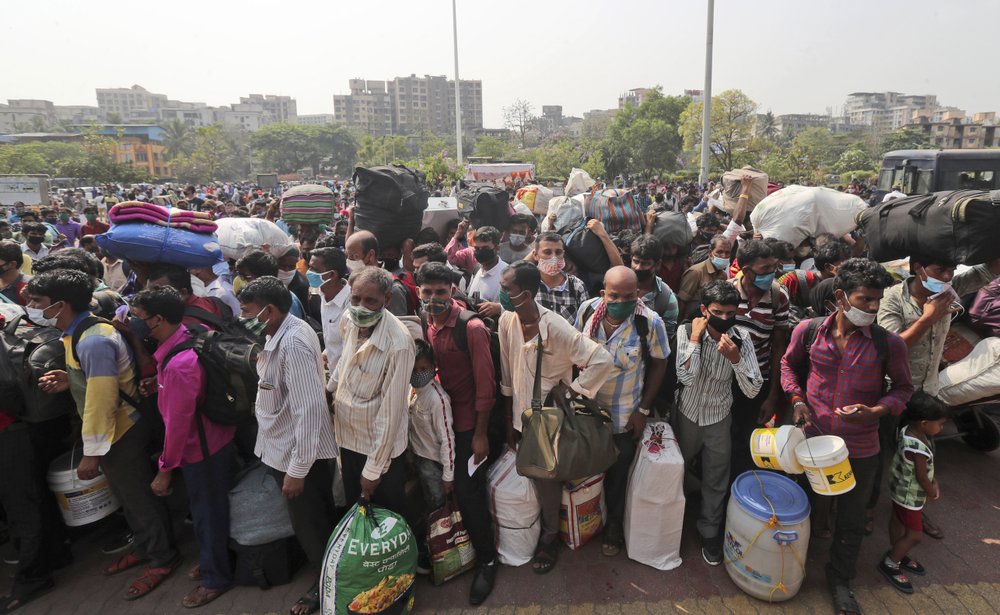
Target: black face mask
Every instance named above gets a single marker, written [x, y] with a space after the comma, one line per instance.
[484, 256]
[644, 275]
[722, 325]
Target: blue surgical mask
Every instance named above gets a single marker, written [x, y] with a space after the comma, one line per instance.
[934, 285]
[315, 279]
[763, 282]
[720, 263]
[787, 268]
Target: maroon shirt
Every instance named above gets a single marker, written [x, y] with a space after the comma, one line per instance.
[468, 378]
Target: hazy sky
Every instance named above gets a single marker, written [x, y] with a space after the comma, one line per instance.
[792, 56]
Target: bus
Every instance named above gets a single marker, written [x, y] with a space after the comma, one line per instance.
[921, 171]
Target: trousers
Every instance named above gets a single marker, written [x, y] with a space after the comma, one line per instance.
[849, 521]
[616, 478]
[208, 483]
[714, 444]
[312, 511]
[472, 495]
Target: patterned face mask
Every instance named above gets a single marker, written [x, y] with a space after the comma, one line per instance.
[254, 324]
[422, 378]
[362, 317]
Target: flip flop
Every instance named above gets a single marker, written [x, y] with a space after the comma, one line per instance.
[843, 600]
[545, 558]
[310, 601]
[14, 601]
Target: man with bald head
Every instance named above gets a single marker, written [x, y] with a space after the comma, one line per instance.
[636, 338]
[362, 250]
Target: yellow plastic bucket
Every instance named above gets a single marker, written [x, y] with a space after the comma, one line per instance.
[826, 463]
[773, 448]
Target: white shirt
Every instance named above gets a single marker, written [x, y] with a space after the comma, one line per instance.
[431, 435]
[372, 388]
[293, 418]
[562, 348]
[42, 251]
[487, 283]
[331, 312]
[223, 290]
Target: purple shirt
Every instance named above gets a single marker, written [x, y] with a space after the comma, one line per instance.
[71, 229]
[181, 391]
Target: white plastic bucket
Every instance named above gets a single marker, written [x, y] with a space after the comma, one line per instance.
[826, 463]
[80, 501]
[774, 448]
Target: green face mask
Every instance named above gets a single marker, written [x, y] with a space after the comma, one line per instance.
[622, 310]
[91, 217]
[254, 324]
[363, 317]
[504, 299]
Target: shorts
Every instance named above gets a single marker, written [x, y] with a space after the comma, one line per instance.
[911, 519]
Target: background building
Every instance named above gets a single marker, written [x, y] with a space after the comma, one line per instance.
[276, 108]
[885, 111]
[367, 108]
[316, 119]
[134, 103]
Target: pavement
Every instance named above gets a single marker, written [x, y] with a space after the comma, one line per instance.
[963, 572]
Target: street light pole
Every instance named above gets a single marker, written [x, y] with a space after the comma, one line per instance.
[706, 120]
[458, 96]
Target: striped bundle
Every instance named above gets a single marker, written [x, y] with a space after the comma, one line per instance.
[138, 212]
[307, 204]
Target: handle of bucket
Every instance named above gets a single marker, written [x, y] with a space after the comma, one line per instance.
[785, 537]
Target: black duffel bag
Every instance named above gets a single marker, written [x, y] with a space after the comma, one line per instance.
[586, 249]
[391, 201]
[484, 205]
[955, 226]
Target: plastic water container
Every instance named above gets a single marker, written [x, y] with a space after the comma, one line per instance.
[774, 448]
[767, 535]
[825, 460]
[80, 501]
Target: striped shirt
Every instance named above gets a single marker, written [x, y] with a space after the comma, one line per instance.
[105, 368]
[373, 384]
[622, 393]
[761, 321]
[662, 297]
[904, 488]
[292, 415]
[431, 436]
[706, 392]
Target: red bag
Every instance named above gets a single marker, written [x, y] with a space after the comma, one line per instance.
[449, 544]
[616, 209]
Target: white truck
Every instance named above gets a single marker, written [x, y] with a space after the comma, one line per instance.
[32, 190]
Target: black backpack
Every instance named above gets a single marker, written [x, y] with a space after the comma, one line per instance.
[26, 353]
[461, 336]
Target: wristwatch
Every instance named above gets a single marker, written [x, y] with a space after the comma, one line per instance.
[644, 411]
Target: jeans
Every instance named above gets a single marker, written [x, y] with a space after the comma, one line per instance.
[849, 521]
[430, 472]
[472, 495]
[208, 483]
[312, 511]
[616, 478]
[714, 444]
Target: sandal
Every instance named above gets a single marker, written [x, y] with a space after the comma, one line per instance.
[150, 579]
[15, 600]
[931, 529]
[843, 600]
[613, 540]
[545, 558]
[896, 577]
[125, 562]
[195, 573]
[307, 604]
[200, 596]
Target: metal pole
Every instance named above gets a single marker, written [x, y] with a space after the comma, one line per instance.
[706, 120]
[458, 97]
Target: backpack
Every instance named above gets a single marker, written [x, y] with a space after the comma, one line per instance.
[461, 336]
[405, 278]
[26, 353]
[641, 327]
[105, 302]
[800, 309]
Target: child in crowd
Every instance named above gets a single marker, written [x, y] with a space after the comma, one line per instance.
[432, 440]
[911, 484]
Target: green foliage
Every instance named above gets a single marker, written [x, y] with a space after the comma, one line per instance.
[905, 138]
[286, 148]
[557, 158]
[853, 158]
[98, 165]
[645, 139]
[733, 116]
[493, 148]
[215, 155]
[375, 151]
[50, 158]
[177, 139]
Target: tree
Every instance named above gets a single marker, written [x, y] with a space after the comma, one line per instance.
[287, 148]
[519, 118]
[215, 155]
[905, 138]
[491, 147]
[645, 139]
[177, 138]
[733, 115]
[375, 151]
[595, 127]
[115, 118]
[853, 159]
[98, 163]
[49, 157]
[767, 126]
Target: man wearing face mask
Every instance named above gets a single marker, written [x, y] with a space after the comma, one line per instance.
[206, 311]
[68, 228]
[712, 353]
[12, 281]
[217, 286]
[520, 238]
[697, 277]
[483, 261]
[362, 250]
[647, 252]
[34, 235]
[328, 288]
[636, 339]
[560, 292]
[763, 312]
[259, 264]
[843, 371]
[93, 225]
[295, 436]
[294, 281]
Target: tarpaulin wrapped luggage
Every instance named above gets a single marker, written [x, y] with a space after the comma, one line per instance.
[958, 226]
[732, 188]
[390, 202]
[797, 212]
[654, 504]
[484, 205]
[239, 236]
[672, 228]
[568, 213]
[152, 243]
[586, 249]
[307, 204]
[579, 182]
[616, 209]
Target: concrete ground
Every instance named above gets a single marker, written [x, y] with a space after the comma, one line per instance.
[963, 572]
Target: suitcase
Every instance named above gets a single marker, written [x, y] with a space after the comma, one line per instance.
[267, 565]
[955, 226]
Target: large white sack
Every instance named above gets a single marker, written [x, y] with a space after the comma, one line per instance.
[654, 504]
[536, 198]
[732, 188]
[239, 236]
[797, 212]
[974, 377]
[579, 182]
[554, 222]
[516, 511]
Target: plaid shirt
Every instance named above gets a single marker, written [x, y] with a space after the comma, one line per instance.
[643, 201]
[564, 299]
[836, 381]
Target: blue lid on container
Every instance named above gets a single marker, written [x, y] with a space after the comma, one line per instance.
[791, 504]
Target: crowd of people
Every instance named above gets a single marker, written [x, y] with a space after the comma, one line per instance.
[385, 362]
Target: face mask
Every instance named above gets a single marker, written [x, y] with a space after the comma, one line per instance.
[763, 282]
[787, 268]
[434, 307]
[421, 378]
[254, 324]
[858, 317]
[505, 300]
[198, 287]
[517, 240]
[34, 240]
[64, 219]
[644, 275]
[37, 316]
[622, 310]
[316, 279]
[91, 217]
[286, 277]
[934, 285]
[721, 325]
[484, 256]
[720, 263]
[354, 265]
[362, 317]
[551, 266]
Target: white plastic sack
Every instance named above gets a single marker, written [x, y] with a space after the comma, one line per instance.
[239, 236]
[654, 504]
[536, 198]
[558, 219]
[974, 377]
[732, 188]
[583, 511]
[794, 213]
[516, 511]
[258, 511]
[579, 182]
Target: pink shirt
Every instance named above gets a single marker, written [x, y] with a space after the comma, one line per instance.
[461, 256]
[181, 391]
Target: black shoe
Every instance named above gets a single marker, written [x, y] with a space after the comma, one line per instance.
[118, 542]
[711, 550]
[482, 584]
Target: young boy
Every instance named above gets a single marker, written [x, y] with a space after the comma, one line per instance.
[432, 440]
